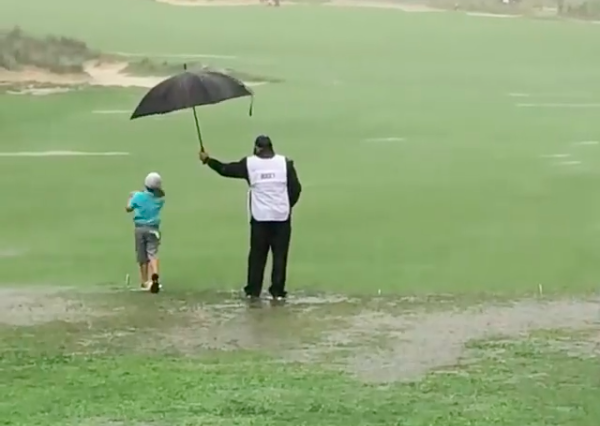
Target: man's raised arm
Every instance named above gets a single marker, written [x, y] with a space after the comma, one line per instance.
[235, 170]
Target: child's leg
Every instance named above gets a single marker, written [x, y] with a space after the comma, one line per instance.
[152, 245]
[153, 266]
[154, 285]
[144, 273]
[141, 255]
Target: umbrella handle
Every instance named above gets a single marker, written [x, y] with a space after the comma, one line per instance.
[198, 129]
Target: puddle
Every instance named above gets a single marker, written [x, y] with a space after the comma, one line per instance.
[39, 305]
[389, 348]
[373, 344]
[379, 340]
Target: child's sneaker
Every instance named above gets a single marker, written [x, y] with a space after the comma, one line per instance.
[155, 285]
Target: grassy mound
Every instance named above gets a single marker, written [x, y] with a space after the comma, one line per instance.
[583, 9]
[587, 9]
[523, 7]
[65, 55]
[56, 54]
[148, 66]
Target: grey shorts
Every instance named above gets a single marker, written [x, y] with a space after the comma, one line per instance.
[147, 242]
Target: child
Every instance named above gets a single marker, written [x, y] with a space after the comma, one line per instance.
[146, 206]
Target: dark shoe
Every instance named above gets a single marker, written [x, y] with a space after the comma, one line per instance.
[278, 296]
[248, 293]
[155, 286]
[248, 296]
[252, 300]
[277, 301]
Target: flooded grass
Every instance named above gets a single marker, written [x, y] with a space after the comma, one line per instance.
[220, 361]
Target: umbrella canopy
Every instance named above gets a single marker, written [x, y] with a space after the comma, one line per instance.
[191, 89]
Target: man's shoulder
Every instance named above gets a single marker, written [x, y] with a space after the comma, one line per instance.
[289, 163]
[244, 161]
[285, 158]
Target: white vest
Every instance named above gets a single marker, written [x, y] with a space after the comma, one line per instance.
[268, 196]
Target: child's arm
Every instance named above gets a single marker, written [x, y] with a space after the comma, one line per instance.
[131, 202]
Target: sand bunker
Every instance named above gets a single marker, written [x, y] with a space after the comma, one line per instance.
[112, 74]
[491, 15]
[220, 3]
[34, 75]
[39, 91]
[96, 74]
[338, 3]
[382, 5]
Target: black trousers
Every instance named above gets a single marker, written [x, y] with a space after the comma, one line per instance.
[265, 237]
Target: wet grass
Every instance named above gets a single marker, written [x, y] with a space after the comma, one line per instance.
[470, 212]
[51, 376]
[212, 359]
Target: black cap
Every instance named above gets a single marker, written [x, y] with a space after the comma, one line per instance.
[263, 142]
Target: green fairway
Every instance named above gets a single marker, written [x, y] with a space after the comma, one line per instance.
[447, 161]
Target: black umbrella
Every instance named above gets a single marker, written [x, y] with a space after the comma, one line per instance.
[189, 90]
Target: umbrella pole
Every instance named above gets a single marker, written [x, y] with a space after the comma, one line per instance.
[198, 129]
[196, 120]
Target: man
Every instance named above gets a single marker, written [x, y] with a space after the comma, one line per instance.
[274, 191]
